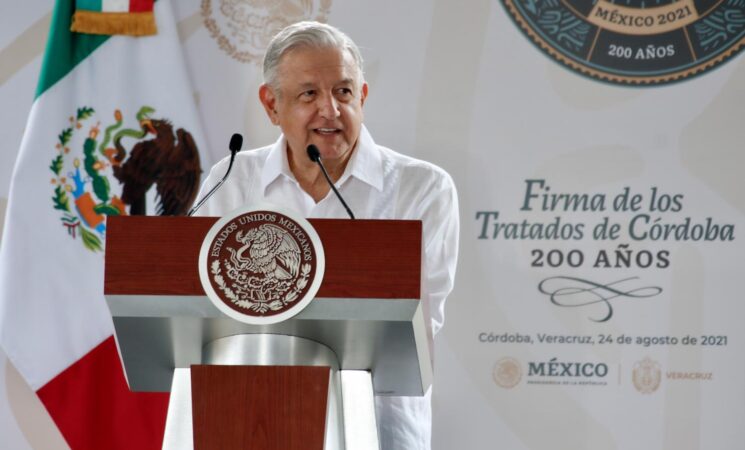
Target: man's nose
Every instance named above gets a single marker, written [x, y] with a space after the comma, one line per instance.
[328, 106]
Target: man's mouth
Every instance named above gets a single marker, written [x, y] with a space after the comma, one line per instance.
[327, 131]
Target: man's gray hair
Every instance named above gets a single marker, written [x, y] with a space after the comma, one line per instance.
[303, 35]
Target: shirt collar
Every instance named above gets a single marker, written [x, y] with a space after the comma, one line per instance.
[276, 163]
[365, 164]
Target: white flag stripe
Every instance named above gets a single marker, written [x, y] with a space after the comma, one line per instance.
[53, 310]
[115, 5]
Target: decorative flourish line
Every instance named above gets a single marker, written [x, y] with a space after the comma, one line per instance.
[574, 292]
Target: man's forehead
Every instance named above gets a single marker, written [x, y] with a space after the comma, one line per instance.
[305, 63]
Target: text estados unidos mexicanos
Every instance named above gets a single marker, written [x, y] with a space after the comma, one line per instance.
[220, 238]
[299, 234]
[289, 225]
[232, 226]
[600, 339]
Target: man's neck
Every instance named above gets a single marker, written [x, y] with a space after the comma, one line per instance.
[308, 174]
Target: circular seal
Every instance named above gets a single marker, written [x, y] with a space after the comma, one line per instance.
[634, 42]
[646, 376]
[243, 28]
[507, 372]
[261, 264]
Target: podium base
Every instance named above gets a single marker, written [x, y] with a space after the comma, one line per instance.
[195, 405]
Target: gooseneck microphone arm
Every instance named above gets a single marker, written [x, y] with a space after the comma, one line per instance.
[236, 141]
[315, 155]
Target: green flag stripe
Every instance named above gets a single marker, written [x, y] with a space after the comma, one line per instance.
[90, 5]
[65, 49]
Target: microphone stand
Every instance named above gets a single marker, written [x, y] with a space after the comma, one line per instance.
[315, 155]
[235, 146]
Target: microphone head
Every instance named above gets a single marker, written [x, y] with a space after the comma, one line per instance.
[313, 153]
[236, 142]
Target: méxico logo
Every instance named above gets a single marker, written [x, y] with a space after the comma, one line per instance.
[634, 42]
[261, 265]
[108, 170]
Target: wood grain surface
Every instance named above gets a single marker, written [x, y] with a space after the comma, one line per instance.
[259, 407]
[364, 258]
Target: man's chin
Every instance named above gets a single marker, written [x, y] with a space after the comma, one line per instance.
[332, 153]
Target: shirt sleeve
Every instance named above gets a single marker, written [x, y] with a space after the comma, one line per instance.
[441, 225]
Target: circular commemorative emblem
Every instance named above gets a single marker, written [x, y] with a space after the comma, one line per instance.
[634, 42]
[261, 265]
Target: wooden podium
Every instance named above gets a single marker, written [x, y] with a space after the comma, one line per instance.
[305, 383]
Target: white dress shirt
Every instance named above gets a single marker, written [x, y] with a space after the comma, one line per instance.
[377, 183]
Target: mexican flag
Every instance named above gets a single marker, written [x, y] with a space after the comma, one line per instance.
[113, 130]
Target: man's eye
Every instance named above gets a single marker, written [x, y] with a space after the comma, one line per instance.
[344, 92]
[307, 94]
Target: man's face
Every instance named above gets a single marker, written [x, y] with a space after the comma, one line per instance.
[318, 101]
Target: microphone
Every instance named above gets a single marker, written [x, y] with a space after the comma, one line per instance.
[236, 141]
[315, 155]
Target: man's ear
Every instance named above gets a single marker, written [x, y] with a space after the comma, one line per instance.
[268, 98]
[363, 94]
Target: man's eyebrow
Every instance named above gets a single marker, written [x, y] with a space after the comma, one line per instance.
[308, 86]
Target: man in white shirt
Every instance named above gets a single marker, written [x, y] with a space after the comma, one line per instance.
[314, 91]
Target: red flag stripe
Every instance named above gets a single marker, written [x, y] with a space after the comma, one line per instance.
[140, 5]
[92, 406]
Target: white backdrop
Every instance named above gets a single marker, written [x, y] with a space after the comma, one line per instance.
[460, 85]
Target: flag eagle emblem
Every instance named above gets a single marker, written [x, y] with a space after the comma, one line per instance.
[82, 189]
